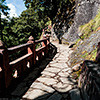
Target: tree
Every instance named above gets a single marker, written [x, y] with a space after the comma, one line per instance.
[29, 23]
[3, 9]
[60, 12]
[8, 34]
[49, 7]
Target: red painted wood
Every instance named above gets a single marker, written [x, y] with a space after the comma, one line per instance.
[20, 64]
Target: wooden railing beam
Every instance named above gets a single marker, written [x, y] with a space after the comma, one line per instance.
[19, 48]
[23, 63]
[42, 40]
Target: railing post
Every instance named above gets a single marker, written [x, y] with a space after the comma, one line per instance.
[46, 45]
[32, 49]
[49, 39]
[2, 83]
[4, 64]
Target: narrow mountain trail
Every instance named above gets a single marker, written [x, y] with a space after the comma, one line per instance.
[55, 81]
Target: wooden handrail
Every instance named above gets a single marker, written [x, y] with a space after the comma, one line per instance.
[18, 66]
[19, 48]
[15, 62]
[42, 40]
[23, 46]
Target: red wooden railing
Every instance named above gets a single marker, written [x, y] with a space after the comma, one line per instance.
[16, 67]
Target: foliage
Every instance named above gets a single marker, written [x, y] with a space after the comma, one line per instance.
[76, 74]
[17, 30]
[93, 55]
[64, 18]
[3, 9]
[50, 8]
[8, 34]
[78, 41]
[29, 23]
[39, 14]
[86, 29]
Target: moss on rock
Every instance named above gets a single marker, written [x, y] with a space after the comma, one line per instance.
[91, 26]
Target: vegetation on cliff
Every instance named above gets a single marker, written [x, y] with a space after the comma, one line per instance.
[92, 26]
[85, 47]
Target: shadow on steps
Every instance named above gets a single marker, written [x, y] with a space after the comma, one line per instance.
[21, 84]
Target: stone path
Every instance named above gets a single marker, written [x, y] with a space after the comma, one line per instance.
[55, 82]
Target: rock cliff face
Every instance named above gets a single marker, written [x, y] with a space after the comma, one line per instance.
[85, 47]
[84, 32]
[63, 19]
[85, 11]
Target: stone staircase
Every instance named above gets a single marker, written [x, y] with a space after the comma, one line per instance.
[55, 81]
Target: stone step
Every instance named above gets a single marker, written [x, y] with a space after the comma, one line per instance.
[55, 82]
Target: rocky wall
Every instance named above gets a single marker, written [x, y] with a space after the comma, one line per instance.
[89, 80]
[85, 11]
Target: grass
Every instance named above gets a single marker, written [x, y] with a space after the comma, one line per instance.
[86, 29]
[75, 75]
[93, 55]
[85, 55]
[91, 26]
[77, 43]
[89, 56]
